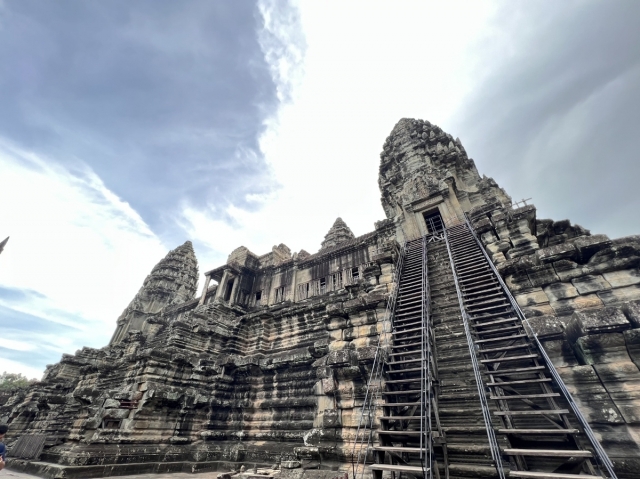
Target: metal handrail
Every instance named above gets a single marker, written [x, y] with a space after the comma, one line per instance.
[601, 455]
[486, 413]
[426, 436]
[376, 370]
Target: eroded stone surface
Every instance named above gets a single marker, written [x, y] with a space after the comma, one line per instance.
[269, 364]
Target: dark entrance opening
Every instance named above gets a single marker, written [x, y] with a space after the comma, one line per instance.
[227, 293]
[434, 223]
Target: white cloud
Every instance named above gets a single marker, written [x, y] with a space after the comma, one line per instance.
[18, 367]
[74, 242]
[366, 65]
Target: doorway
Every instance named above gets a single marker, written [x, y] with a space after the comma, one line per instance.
[434, 223]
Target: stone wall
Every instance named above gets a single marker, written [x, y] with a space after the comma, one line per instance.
[203, 384]
[581, 294]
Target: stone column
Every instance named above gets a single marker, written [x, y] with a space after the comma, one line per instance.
[457, 209]
[294, 284]
[221, 286]
[234, 290]
[203, 297]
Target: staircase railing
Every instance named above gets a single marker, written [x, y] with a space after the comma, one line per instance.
[486, 413]
[426, 441]
[361, 448]
[601, 456]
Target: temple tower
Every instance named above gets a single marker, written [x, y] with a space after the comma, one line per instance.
[425, 173]
[172, 281]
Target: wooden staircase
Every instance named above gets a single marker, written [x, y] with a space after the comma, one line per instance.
[409, 426]
[464, 390]
[536, 429]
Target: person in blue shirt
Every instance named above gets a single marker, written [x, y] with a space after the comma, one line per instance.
[3, 449]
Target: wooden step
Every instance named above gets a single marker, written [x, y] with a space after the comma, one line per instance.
[509, 358]
[397, 449]
[503, 338]
[504, 348]
[524, 396]
[398, 468]
[403, 371]
[407, 331]
[550, 475]
[531, 412]
[417, 343]
[404, 381]
[523, 381]
[406, 361]
[395, 393]
[401, 418]
[399, 433]
[547, 453]
[507, 372]
[541, 432]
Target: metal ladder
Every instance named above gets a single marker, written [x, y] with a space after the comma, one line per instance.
[409, 426]
[535, 412]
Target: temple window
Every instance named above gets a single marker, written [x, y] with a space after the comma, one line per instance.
[280, 294]
[227, 292]
[111, 423]
[258, 298]
[304, 290]
[336, 281]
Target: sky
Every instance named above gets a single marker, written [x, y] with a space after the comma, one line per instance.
[127, 128]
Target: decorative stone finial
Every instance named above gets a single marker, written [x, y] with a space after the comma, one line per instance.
[339, 233]
[2, 245]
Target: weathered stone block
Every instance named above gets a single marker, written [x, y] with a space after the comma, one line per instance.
[587, 246]
[347, 372]
[336, 323]
[618, 295]
[567, 306]
[602, 348]
[603, 320]
[567, 270]
[626, 277]
[518, 282]
[551, 254]
[543, 275]
[590, 284]
[632, 340]
[560, 352]
[622, 381]
[111, 403]
[532, 298]
[488, 237]
[631, 310]
[538, 310]
[336, 309]
[329, 386]
[343, 356]
[558, 291]
[366, 354]
[590, 395]
[338, 345]
[546, 327]
[363, 318]
[331, 418]
[115, 413]
[324, 372]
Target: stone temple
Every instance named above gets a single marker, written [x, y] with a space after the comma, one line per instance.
[462, 337]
